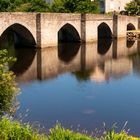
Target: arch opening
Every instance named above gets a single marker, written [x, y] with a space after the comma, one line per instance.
[20, 44]
[19, 35]
[104, 31]
[130, 26]
[104, 38]
[68, 33]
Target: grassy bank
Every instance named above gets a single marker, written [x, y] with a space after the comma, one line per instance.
[13, 130]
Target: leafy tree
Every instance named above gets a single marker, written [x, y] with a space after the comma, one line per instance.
[38, 6]
[71, 6]
[133, 8]
[87, 7]
[8, 88]
[4, 4]
[24, 5]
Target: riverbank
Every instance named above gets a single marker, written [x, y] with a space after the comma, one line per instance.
[14, 130]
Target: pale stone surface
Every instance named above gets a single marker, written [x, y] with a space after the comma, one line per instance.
[44, 27]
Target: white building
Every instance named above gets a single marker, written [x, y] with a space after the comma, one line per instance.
[113, 5]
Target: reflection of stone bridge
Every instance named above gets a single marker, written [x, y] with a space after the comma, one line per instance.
[48, 63]
[47, 29]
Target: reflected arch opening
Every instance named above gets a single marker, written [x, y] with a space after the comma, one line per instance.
[130, 38]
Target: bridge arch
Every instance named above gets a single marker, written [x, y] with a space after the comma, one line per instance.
[104, 38]
[68, 33]
[104, 31]
[130, 26]
[22, 36]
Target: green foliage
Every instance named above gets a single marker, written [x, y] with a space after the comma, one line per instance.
[24, 6]
[60, 133]
[13, 130]
[63, 6]
[133, 8]
[87, 7]
[8, 88]
[4, 4]
[78, 6]
[37, 6]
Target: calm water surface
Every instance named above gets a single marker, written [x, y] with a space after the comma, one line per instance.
[81, 84]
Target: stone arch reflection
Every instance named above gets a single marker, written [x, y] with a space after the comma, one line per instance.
[130, 43]
[24, 60]
[68, 33]
[104, 38]
[20, 44]
[130, 38]
[67, 51]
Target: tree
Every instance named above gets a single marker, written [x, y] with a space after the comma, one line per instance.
[8, 88]
[24, 6]
[38, 6]
[133, 8]
[87, 7]
[71, 6]
[4, 4]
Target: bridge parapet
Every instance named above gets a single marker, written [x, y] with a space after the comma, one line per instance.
[45, 27]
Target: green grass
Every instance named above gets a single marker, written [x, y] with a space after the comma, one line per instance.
[13, 130]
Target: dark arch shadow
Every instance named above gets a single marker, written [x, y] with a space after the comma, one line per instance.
[104, 38]
[130, 26]
[130, 40]
[20, 44]
[68, 33]
[25, 57]
[67, 51]
[130, 43]
[21, 35]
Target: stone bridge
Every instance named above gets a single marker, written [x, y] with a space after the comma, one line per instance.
[47, 29]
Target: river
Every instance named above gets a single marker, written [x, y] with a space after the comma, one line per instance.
[80, 85]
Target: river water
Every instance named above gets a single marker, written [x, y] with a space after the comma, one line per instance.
[80, 85]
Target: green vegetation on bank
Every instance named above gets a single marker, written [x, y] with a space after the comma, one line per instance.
[69, 6]
[8, 87]
[13, 130]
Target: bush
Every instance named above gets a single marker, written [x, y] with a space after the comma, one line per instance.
[13, 130]
[8, 87]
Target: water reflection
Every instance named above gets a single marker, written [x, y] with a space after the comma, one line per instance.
[85, 63]
[130, 43]
[104, 45]
[67, 51]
